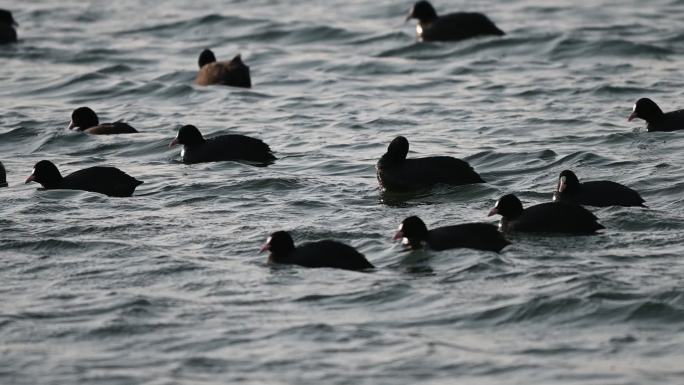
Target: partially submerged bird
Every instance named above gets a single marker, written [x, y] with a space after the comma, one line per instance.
[481, 236]
[397, 173]
[7, 23]
[229, 73]
[197, 149]
[600, 193]
[3, 176]
[454, 26]
[550, 217]
[326, 253]
[84, 119]
[104, 180]
[656, 119]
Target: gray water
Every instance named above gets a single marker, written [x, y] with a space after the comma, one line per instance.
[168, 287]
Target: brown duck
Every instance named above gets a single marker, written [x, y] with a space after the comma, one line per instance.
[229, 73]
[85, 120]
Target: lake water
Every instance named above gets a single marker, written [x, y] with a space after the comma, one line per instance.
[168, 287]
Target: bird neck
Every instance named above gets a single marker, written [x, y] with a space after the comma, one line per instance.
[415, 243]
[503, 225]
[427, 20]
[52, 183]
[391, 158]
[195, 142]
[280, 257]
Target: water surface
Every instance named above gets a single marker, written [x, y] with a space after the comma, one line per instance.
[168, 287]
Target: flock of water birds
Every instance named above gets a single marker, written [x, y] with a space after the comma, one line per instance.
[566, 214]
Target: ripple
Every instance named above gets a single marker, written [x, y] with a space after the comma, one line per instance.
[169, 283]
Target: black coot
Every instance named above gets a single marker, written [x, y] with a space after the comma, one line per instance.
[551, 217]
[454, 26]
[600, 193]
[7, 23]
[3, 176]
[228, 73]
[325, 253]
[86, 120]
[656, 119]
[104, 180]
[220, 148]
[480, 236]
[396, 173]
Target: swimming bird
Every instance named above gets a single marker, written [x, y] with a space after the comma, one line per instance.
[396, 173]
[229, 73]
[326, 253]
[104, 180]
[7, 23]
[480, 236]
[3, 176]
[451, 27]
[656, 119]
[600, 193]
[550, 217]
[197, 149]
[86, 120]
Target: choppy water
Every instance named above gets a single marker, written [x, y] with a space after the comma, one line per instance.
[167, 287]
